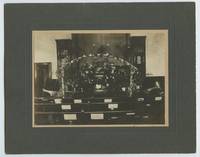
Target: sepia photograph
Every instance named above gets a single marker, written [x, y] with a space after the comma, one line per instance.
[100, 78]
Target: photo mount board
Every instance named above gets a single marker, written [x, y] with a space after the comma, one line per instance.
[21, 19]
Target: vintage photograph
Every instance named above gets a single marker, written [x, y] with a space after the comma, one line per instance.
[100, 78]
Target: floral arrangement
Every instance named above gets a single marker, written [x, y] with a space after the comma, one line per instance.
[79, 73]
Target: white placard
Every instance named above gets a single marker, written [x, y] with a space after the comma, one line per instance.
[77, 101]
[70, 117]
[58, 101]
[158, 98]
[130, 114]
[107, 100]
[66, 107]
[112, 106]
[140, 99]
[97, 116]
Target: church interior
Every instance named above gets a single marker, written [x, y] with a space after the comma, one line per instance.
[99, 78]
